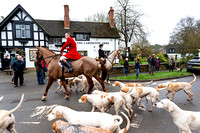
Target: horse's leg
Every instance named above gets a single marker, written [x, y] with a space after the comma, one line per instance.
[50, 82]
[65, 86]
[101, 82]
[90, 83]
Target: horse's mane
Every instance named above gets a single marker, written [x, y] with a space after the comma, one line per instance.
[112, 51]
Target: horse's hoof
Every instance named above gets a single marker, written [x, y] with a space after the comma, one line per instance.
[66, 97]
[43, 98]
[150, 110]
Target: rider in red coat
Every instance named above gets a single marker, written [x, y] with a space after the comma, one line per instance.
[73, 54]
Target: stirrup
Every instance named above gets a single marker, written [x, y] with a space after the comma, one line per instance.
[69, 70]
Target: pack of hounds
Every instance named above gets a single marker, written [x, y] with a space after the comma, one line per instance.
[103, 122]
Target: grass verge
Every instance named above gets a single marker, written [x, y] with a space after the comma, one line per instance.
[157, 75]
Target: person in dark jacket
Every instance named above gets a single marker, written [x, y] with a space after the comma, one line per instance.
[39, 71]
[157, 64]
[149, 62]
[11, 62]
[137, 66]
[126, 66]
[18, 67]
[101, 52]
[152, 64]
[172, 64]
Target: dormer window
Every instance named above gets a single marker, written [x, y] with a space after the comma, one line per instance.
[23, 30]
[82, 37]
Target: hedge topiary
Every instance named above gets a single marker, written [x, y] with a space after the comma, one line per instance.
[161, 57]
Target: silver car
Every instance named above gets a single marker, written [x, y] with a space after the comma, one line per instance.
[194, 65]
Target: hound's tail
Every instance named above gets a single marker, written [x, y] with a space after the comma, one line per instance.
[193, 80]
[103, 69]
[147, 83]
[128, 124]
[1, 98]
[18, 106]
[159, 89]
[117, 117]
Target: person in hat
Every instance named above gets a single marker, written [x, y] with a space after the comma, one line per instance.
[72, 54]
[101, 52]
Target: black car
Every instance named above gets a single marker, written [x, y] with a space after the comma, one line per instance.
[194, 65]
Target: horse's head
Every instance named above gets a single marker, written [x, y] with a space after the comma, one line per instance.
[119, 54]
[39, 53]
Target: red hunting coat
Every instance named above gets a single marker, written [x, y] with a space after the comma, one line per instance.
[73, 53]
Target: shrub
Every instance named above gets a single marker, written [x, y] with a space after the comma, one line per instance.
[140, 60]
[161, 57]
[121, 62]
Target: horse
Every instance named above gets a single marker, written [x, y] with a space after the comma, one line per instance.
[111, 57]
[86, 65]
[110, 60]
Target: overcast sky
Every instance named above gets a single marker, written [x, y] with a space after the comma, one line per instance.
[161, 16]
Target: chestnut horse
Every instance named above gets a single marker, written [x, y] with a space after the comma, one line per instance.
[85, 65]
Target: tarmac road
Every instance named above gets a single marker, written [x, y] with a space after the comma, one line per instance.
[158, 121]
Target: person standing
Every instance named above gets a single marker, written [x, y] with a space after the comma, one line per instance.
[152, 64]
[11, 62]
[137, 66]
[39, 71]
[18, 67]
[126, 66]
[149, 62]
[157, 64]
[172, 64]
[72, 54]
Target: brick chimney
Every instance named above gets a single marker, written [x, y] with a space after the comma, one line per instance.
[111, 17]
[66, 17]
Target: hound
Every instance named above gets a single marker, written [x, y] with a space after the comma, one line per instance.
[143, 92]
[177, 86]
[63, 127]
[95, 119]
[120, 84]
[7, 119]
[103, 101]
[184, 120]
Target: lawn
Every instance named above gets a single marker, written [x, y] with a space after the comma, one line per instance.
[157, 75]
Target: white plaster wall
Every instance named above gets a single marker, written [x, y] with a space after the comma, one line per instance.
[92, 46]
[174, 54]
[9, 26]
[35, 27]
[3, 35]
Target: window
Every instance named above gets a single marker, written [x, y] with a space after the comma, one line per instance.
[82, 37]
[56, 41]
[23, 31]
[83, 53]
[171, 50]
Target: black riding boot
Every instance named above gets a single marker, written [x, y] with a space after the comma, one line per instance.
[136, 76]
[69, 67]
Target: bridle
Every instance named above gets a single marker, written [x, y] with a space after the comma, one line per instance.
[118, 55]
[51, 56]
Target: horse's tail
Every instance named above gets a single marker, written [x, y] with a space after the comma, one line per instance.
[103, 69]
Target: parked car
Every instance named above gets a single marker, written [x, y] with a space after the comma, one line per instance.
[194, 65]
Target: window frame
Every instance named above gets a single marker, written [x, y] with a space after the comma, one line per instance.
[85, 37]
[25, 29]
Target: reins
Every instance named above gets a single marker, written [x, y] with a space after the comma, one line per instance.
[51, 56]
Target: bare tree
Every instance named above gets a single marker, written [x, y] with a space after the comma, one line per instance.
[127, 21]
[98, 17]
[186, 35]
[142, 46]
